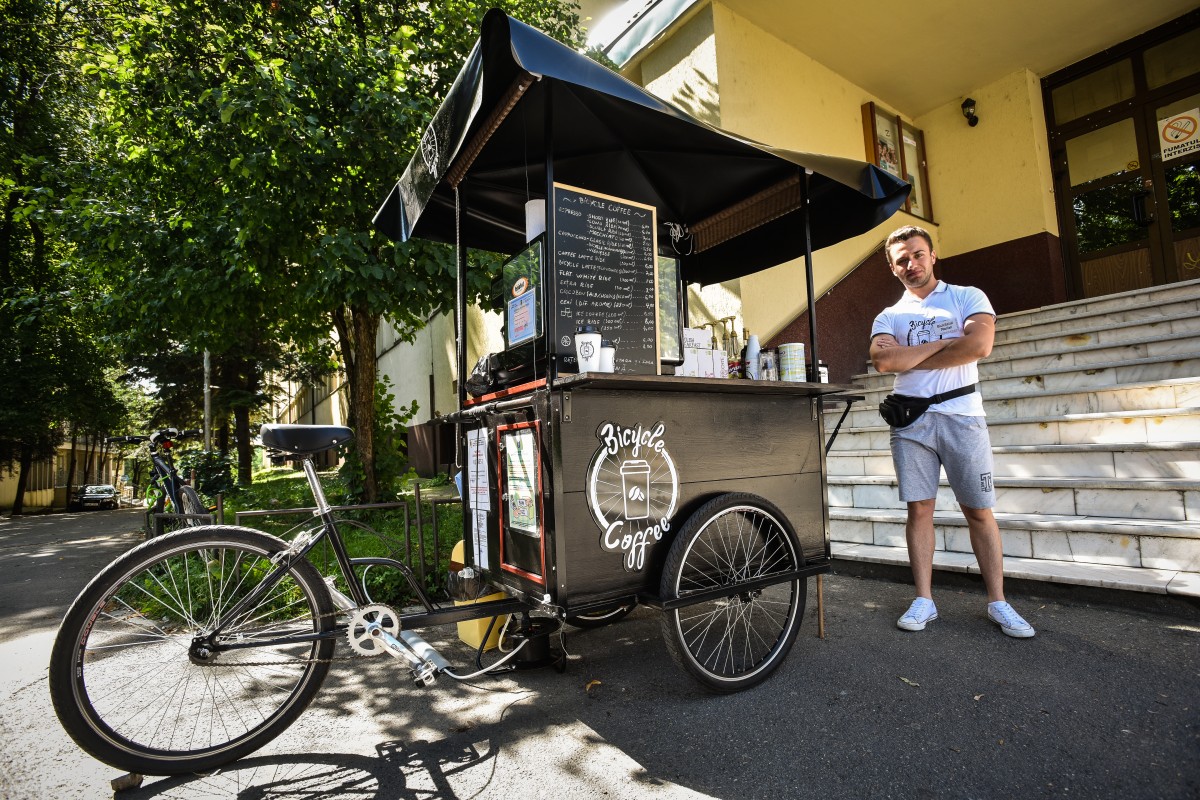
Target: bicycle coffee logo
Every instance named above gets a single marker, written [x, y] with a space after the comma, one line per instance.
[632, 489]
[429, 150]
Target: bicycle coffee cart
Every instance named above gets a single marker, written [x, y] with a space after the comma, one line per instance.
[588, 492]
[584, 492]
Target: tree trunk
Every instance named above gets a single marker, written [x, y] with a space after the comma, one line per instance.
[241, 421]
[222, 429]
[71, 463]
[357, 341]
[26, 461]
[89, 451]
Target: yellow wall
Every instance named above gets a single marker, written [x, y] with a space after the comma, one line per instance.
[776, 94]
[990, 184]
[683, 68]
[683, 71]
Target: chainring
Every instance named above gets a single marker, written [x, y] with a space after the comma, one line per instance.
[358, 634]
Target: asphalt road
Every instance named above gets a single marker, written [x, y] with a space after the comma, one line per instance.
[1103, 703]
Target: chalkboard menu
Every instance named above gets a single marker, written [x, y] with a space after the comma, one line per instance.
[606, 274]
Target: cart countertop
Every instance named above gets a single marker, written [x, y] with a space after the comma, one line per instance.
[669, 383]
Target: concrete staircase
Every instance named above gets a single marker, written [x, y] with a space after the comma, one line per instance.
[1094, 412]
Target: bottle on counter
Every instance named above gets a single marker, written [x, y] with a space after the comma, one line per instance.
[750, 357]
[768, 366]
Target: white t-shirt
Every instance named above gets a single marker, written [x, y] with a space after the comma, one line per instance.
[941, 315]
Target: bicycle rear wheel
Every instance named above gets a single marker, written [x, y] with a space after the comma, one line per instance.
[733, 642]
[132, 688]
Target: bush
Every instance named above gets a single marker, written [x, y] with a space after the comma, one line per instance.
[286, 488]
[214, 471]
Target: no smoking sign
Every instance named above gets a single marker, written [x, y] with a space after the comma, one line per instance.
[1179, 135]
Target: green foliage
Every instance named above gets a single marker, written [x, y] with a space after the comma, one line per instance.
[54, 366]
[207, 578]
[213, 470]
[285, 488]
[391, 448]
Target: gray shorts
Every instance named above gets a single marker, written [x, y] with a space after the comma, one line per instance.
[956, 442]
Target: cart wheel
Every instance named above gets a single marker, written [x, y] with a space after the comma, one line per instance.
[601, 617]
[734, 642]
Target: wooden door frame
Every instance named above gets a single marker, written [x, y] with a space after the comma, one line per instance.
[1139, 108]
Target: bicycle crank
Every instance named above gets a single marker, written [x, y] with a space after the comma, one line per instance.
[366, 624]
[375, 629]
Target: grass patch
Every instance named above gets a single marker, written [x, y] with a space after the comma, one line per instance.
[379, 533]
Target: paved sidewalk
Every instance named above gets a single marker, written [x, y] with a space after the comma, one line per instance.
[1103, 703]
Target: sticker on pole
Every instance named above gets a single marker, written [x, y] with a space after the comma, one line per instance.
[1179, 135]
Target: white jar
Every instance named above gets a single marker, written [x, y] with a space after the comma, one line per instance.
[608, 356]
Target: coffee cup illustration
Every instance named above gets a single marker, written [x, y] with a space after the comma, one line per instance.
[635, 485]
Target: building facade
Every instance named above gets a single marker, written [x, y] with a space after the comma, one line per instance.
[1038, 137]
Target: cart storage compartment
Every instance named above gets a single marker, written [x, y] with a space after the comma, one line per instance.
[636, 456]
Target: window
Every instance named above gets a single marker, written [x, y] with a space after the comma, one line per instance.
[898, 148]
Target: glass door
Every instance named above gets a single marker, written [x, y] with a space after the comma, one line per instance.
[1125, 142]
[1108, 233]
[1176, 184]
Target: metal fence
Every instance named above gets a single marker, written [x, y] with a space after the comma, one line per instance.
[413, 515]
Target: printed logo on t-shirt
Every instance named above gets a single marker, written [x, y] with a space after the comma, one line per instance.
[923, 331]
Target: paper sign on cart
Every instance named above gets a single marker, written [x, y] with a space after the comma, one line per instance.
[479, 538]
[477, 470]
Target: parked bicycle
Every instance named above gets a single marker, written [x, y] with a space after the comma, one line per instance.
[167, 493]
[198, 647]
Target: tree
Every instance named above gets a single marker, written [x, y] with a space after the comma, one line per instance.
[246, 147]
[52, 365]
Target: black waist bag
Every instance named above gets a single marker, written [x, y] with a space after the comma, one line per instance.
[901, 410]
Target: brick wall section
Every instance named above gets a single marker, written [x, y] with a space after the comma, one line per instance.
[1024, 273]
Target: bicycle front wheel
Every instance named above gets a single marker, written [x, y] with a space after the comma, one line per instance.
[192, 505]
[134, 689]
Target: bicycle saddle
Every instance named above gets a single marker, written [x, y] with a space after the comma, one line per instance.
[305, 440]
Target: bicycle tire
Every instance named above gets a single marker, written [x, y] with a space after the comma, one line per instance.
[124, 684]
[191, 504]
[589, 620]
[734, 642]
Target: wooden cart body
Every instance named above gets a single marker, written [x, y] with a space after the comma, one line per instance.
[691, 438]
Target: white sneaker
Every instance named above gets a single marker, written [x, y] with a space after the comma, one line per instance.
[920, 612]
[1009, 620]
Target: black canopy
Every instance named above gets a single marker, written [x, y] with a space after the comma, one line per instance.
[523, 99]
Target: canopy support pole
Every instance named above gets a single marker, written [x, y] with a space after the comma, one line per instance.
[814, 374]
[460, 319]
[550, 309]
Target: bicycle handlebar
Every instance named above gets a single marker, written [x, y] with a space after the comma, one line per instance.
[166, 434]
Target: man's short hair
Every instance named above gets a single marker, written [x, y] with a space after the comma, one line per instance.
[903, 235]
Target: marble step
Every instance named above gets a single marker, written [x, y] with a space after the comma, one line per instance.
[1166, 425]
[1084, 356]
[1145, 461]
[1078, 573]
[1091, 540]
[1168, 500]
[1130, 325]
[1138, 300]
[1151, 396]
[1001, 380]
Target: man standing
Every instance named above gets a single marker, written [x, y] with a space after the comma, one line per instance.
[932, 339]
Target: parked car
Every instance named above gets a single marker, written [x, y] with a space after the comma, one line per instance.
[97, 495]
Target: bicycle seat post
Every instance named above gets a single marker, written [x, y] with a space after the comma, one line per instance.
[310, 470]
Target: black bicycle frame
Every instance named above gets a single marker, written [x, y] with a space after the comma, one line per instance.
[433, 615]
